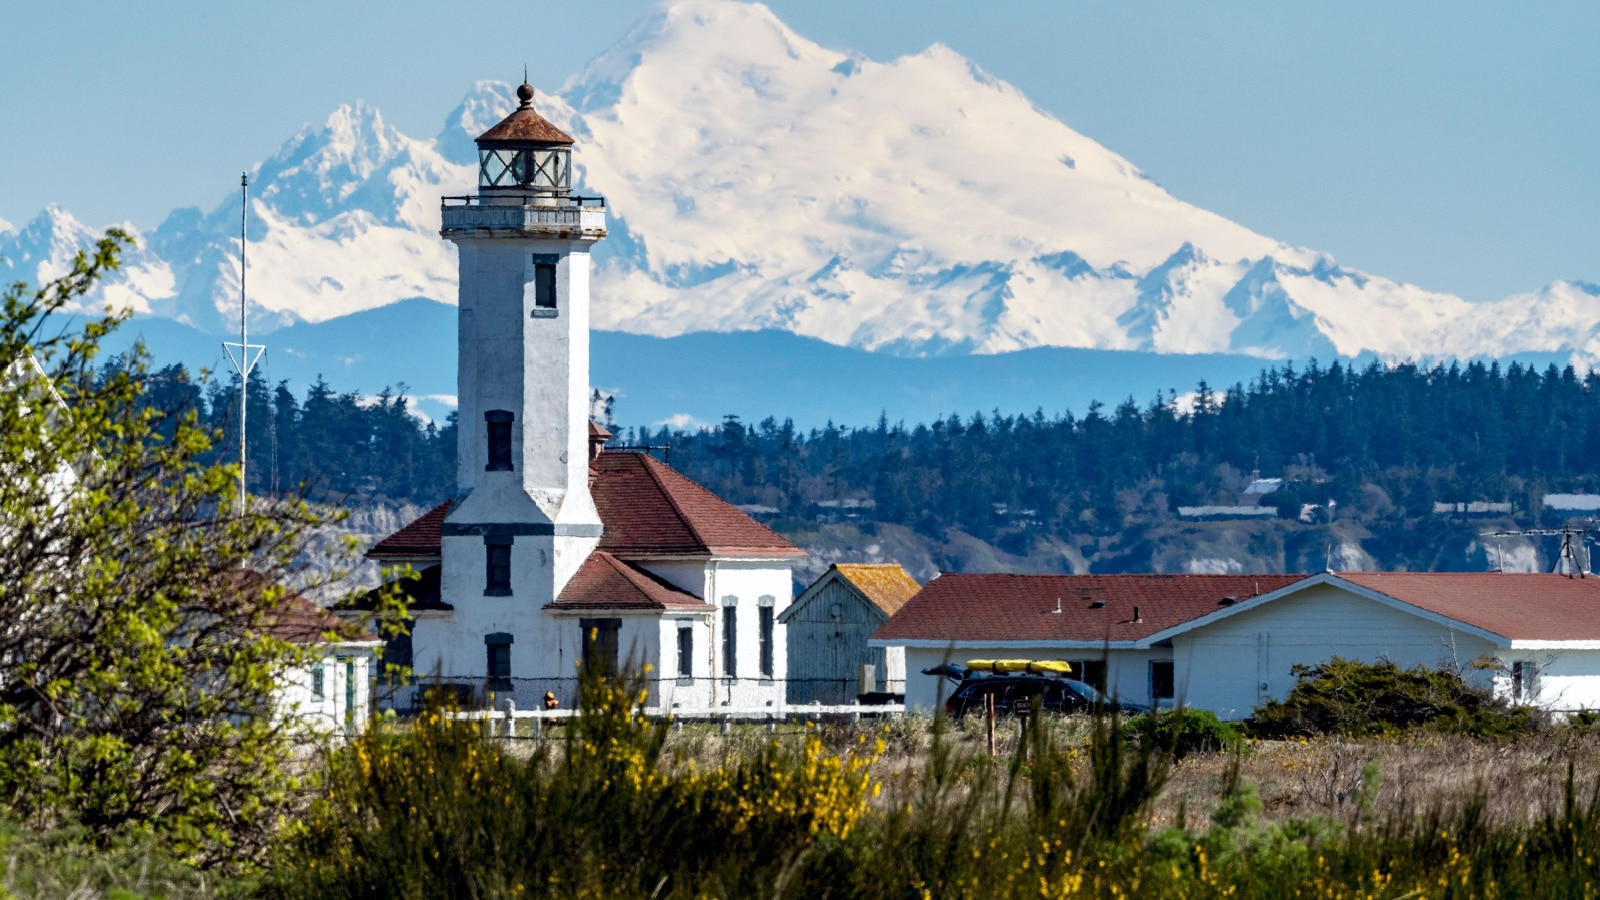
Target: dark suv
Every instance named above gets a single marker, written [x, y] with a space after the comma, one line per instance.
[1017, 694]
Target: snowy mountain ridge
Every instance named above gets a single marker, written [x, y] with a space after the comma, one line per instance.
[757, 180]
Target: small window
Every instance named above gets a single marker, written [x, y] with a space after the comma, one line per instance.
[730, 641]
[1160, 681]
[685, 651]
[497, 427]
[1524, 677]
[600, 645]
[497, 647]
[544, 286]
[319, 686]
[765, 613]
[349, 692]
[497, 575]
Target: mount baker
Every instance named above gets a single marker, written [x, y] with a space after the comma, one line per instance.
[757, 180]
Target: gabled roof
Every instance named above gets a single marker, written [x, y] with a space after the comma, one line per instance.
[649, 509]
[1095, 609]
[886, 584]
[423, 591]
[605, 582]
[420, 539]
[1518, 607]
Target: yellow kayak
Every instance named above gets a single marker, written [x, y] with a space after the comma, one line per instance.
[1030, 666]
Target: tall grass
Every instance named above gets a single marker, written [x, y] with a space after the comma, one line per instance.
[611, 810]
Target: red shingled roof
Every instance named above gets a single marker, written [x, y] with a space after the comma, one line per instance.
[957, 607]
[299, 621]
[1519, 607]
[605, 582]
[649, 509]
[419, 539]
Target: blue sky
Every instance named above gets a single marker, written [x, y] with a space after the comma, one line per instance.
[1453, 145]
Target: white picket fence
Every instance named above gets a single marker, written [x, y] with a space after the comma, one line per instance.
[725, 716]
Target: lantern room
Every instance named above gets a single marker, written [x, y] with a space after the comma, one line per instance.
[525, 154]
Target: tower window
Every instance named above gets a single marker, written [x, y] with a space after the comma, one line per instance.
[497, 576]
[497, 648]
[497, 426]
[686, 651]
[544, 285]
[765, 613]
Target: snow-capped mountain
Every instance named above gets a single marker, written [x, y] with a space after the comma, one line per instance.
[757, 180]
[44, 249]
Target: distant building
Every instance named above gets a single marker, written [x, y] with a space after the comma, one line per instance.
[829, 625]
[1227, 512]
[1472, 508]
[1227, 643]
[1573, 502]
[1264, 485]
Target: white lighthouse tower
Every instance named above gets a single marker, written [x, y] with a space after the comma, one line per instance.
[523, 520]
[518, 583]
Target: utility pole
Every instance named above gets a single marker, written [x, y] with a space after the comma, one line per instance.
[245, 362]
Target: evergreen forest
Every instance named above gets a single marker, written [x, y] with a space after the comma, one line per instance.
[1363, 454]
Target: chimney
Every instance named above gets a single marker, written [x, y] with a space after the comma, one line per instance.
[597, 440]
[1137, 619]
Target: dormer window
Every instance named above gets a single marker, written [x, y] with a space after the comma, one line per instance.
[497, 428]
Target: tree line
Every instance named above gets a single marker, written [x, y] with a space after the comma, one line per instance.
[1419, 435]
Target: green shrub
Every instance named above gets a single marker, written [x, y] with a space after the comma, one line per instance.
[1352, 698]
[1181, 732]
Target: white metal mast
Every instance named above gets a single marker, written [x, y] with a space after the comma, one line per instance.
[245, 362]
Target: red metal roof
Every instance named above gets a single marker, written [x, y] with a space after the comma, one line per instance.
[525, 125]
[956, 607]
[647, 508]
[1519, 607]
[605, 582]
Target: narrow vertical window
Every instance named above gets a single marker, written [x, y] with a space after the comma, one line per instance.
[497, 428]
[544, 285]
[730, 641]
[497, 648]
[600, 639]
[497, 566]
[349, 692]
[685, 651]
[765, 614]
[318, 682]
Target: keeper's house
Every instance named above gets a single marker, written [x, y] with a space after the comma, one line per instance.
[1228, 642]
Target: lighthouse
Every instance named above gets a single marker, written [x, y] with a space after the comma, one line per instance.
[556, 555]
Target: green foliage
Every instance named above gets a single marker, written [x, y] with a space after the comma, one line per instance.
[140, 600]
[69, 863]
[435, 810]
[1183, 731]
[439, 811]
[1345, 697]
